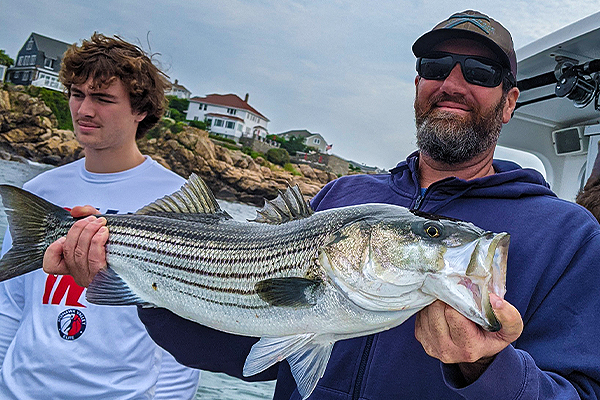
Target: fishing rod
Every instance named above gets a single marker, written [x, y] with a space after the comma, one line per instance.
[578, 82]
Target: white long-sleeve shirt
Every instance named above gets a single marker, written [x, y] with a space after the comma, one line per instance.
[56, 345]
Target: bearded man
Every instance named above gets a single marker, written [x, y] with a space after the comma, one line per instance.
[547, 346]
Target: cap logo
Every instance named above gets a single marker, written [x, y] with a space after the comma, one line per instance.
[482, 22]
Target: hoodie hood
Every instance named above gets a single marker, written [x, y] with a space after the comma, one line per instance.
[510, 181]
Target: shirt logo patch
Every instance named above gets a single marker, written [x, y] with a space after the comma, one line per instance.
[71, 324]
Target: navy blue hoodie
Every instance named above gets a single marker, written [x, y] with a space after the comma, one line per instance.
[553, 279]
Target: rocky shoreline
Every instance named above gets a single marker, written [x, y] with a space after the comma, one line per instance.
[28, 131]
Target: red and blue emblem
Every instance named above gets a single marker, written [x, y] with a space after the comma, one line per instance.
[71, 324]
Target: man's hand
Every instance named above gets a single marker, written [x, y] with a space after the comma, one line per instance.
[453, 339]
[81, 253]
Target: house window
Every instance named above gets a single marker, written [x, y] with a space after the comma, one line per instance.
[16, 75]
[218, 122]
[200, 106]
[33, 57]
[317, 141]
[20, 60]
[240, 127]
[25, 76]
[208, 123]
[205, 107]
[231, 111]
[230, 125]
[26, 60]
[30, 44]
[48, 63]
[195, 118]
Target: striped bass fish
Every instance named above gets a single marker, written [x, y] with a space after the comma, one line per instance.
[300, 280]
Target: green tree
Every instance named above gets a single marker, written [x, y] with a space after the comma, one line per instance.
[176, 115]
[292, 145]
[177, 107]
[5, 59]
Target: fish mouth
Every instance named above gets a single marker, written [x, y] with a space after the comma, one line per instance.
[494, 252]
[468, 289]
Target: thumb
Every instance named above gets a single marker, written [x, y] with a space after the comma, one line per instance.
[509, 317]
[83, 211]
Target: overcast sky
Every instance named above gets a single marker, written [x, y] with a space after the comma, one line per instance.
[343, 69]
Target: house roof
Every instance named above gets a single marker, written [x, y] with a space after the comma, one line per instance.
[52, 48]
[302, 133]
[227, 100]
[224, 116]
[176, 85]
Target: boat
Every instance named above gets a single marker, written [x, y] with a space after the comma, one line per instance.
[557, 117]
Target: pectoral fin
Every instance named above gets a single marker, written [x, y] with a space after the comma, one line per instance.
[307, 355]
[107, 288]
[290, 292]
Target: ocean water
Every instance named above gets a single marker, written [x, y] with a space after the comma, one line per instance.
[213, 386]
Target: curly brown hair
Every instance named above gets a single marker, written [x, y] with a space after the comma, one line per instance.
[105, 58]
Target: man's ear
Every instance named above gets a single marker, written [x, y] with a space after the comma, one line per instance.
[140, 117]
[510, 104]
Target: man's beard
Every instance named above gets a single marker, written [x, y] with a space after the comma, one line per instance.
[454, 139]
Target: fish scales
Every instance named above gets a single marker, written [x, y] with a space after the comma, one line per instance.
[220, 264]
[299, 280]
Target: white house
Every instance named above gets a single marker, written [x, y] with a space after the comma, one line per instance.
[178, 91]
[228, 115]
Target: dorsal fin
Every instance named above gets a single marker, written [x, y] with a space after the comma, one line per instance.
[194, 197]
[287, 206]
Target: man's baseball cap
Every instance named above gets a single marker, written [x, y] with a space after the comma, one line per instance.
[471, 25]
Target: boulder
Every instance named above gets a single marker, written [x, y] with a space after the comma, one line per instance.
[28, 129]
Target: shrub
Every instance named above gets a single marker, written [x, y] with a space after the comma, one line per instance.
[198, 124]
[289, 167]
[251, 153]
[278, 156]
[58, 102]
[177, 127]
[222, 139]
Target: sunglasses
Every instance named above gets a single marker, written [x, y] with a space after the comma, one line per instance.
[476, 70]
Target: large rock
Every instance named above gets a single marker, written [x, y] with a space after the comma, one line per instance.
[4, 101]
[28, 129]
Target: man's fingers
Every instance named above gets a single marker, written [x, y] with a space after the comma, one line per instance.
[431, 329]
[77, 246]
[452, 338]
[53, 258]
[70, 243]
[97, 252]
[436, 320]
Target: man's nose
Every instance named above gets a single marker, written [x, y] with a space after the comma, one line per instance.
[86, 107]
[455, 81]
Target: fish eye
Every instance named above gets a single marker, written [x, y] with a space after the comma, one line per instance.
[433, 230]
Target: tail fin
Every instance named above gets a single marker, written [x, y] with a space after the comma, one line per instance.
[34, 224]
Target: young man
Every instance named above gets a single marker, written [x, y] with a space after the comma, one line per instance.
[547, 347]
[53, 343]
